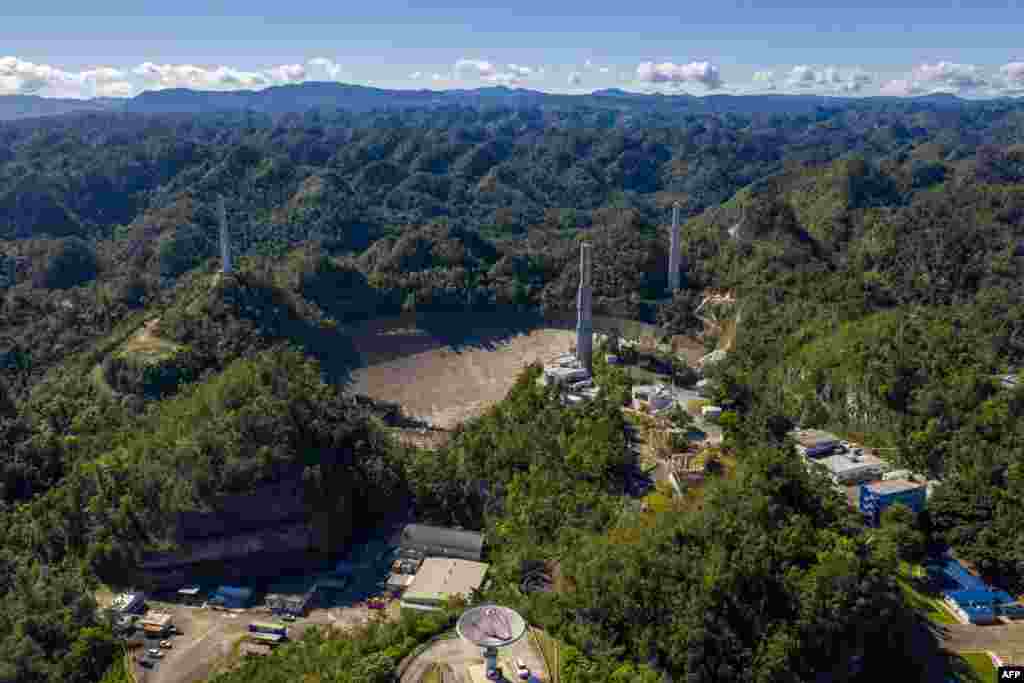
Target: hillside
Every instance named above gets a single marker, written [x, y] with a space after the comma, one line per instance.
[875, 258]
[299, 98]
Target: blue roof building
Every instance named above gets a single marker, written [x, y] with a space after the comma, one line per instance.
[876, 496]
[232, 597]
[973, 600]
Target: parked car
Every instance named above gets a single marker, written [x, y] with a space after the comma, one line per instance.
[154, 653]
[377, 603]
[166, 644]
[522, 670]
[287, 617]
[146, 663]
[845, 445]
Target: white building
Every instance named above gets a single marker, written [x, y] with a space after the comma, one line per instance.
[711, 412]
[845, 468]
[652, 397]
[440, 578]
[563, 371]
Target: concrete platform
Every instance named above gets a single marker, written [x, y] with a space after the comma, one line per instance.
[467, 662]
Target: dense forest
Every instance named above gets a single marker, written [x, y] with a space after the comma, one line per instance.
[876, 256]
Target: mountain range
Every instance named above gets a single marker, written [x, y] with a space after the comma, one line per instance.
[357, 98]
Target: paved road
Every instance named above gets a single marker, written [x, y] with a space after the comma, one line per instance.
[1006, 640]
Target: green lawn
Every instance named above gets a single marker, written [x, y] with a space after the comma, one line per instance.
[917, 595]
[970, 667]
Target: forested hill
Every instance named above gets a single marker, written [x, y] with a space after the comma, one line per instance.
[875, 254]
[357, 98]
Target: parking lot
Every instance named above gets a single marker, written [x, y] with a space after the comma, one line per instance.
[208, 638]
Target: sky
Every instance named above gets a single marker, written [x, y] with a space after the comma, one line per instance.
[971, 48]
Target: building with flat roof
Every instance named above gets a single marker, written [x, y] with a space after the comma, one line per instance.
[845, 468]
[652, 397]
[156, 623]
[813, 443]
[440, 578]
[296, 604]
[232, 597]
[422, 540]
[876, 496]
[969, 597]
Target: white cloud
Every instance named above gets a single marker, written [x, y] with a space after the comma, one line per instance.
[437, 77]
[604, 69]
[475, 68]
[901, 87]
[802, 76]
[416, 75]
[287, 73]
[940, 77]
[949, 76]
[704, 73]
[764, 80]
[20, 77]
[325, 69]
[588, 64]
[829, 79]
[575, 78]
[162, 76]
[1011, 81]
[484, 70]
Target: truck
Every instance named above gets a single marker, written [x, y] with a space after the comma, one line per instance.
[269, 628]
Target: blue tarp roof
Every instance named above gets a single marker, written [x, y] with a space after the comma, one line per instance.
[234, 591]
[968, 597]
[964, 579]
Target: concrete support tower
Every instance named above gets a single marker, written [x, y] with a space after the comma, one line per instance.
[584, 321]
[225, 246]
[673, 252]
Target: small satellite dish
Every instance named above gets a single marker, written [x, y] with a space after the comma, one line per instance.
[491, 626]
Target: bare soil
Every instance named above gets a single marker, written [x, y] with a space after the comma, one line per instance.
[445, 385]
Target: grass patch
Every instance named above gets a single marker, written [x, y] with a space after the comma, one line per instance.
[658, 501]
[913, 583]
[970, 667]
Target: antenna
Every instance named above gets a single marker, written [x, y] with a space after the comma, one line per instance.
[584, 320]
[673, 252]
[225, 246]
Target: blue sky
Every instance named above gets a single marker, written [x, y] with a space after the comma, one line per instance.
[970, 47]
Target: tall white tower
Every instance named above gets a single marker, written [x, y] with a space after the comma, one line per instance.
[584, 321]
[673, 252]
[225, 245]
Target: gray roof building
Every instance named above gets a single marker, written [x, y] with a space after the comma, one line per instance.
[435, 541]
[814, 442]
[846, 469]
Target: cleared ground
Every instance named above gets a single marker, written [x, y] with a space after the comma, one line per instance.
[445, 384]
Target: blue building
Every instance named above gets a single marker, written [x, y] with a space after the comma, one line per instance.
[970, 598]
[232, 597]
[876, 496]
